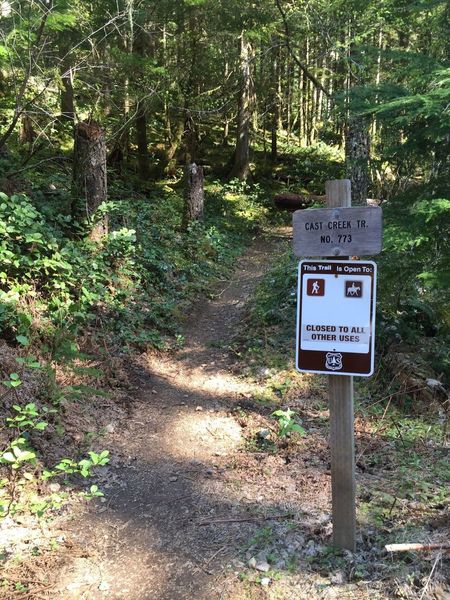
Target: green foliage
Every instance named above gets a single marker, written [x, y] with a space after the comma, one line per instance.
[311, 166]
[23, 463]
[135, 283]
[82, 467]
[416, 244]
[287, 424]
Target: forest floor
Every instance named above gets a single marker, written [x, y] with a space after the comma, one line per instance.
[195, 506]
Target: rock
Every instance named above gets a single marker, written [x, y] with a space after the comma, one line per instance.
[110, 428]
[173, 478]
[436, 387]
[73, 586]
[252, 563]
[154, 392]
[265, 581]
[199, 408]
[6, 522]
[104, 586]
[54, 487]
[262, 566]
[263, 434]
[237, 564]
[338, 578]
[312, 549]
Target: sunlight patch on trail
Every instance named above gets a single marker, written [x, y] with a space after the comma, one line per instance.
[207, 379]
[204, 435]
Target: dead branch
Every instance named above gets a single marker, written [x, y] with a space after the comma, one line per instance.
[417, 547]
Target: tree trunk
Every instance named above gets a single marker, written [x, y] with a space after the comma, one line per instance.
[169, 160]
[141, 140]
[301, 103]
[357, 158]
[89, 182]
[27, 134]
[193, 194]
[67, 98]
[241, 166]
[274, 100]
[226, 122]
[190, 135]
[279, 104]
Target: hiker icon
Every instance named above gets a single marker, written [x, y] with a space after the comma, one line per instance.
[315, 287]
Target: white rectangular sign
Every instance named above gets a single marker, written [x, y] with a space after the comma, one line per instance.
[336, 317]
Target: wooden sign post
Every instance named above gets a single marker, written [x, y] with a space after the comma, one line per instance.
[336, 325]
[342, 433]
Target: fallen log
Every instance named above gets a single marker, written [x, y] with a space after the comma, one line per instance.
[292, 202]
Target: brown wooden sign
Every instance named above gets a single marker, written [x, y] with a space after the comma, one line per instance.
[336, 317]
[338, 231]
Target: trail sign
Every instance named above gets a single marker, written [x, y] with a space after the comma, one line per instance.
[338, 231]
[336, 317]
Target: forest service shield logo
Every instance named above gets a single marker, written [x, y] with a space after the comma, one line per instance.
[334, 361]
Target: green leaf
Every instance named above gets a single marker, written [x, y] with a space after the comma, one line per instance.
[41, 425]
[9, 457]
[23, 340]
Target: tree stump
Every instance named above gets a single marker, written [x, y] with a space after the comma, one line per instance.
[89, 180]
[193, 194]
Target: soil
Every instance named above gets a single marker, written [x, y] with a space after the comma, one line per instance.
[176, 468]
[196, 506]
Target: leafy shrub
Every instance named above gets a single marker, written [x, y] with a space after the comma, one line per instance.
[136, 283]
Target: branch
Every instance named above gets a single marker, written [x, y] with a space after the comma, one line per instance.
[417, 547]
[34, 165]
[20, 109]
[303, 67]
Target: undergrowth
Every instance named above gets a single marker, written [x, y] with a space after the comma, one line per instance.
[136, 284]
[401, 435]
[130, 291]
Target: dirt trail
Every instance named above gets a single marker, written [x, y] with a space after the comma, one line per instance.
[170, 467]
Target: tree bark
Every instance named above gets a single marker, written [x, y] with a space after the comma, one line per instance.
[357, 158]
[89, 180]
[274, 99]
[190, 135]
[193, 194]
[67, 97]
[241, 166]
[27, 134]
[169, 159]
[142, 142]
